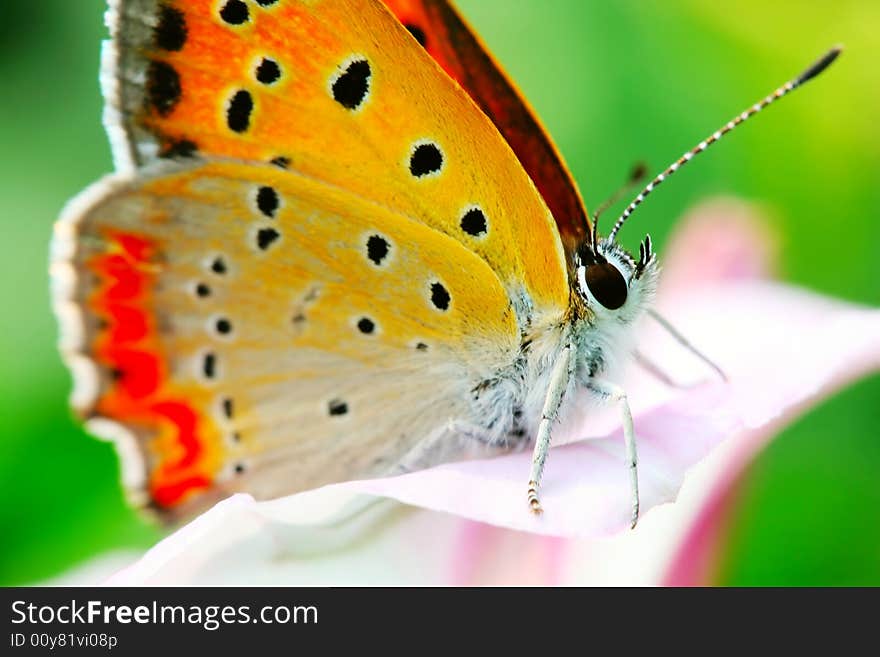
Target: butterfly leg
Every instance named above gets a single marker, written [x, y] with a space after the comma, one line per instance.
[455, 441]
[617, 394]
[559, 380]
[660, 374]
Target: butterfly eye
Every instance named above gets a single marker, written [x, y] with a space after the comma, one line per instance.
[606, 284]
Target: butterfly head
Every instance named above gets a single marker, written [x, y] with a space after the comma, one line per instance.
[610, 281]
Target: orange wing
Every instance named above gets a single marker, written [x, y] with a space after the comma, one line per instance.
[449, 40]
[338, 91]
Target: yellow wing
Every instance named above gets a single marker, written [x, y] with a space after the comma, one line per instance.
[254, 329]
[341, 92]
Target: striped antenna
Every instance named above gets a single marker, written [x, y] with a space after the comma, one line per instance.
[820, 65]
[636, 175]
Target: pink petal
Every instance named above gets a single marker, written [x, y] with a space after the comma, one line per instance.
[722, 239]
[782, 349]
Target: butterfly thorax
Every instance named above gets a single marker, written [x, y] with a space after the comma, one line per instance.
[509, 403]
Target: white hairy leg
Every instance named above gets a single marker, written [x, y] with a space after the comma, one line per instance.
[617, 394]
[559, 379]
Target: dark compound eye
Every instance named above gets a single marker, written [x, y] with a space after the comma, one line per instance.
[606, 284]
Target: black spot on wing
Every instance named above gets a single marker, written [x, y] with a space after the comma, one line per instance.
[267, 201]
[238, 112]
[209, 365]
[202, 290]
[163, 87]
[170, 31]
[266, 237]
[223, 326]
[351, 87]
[266, 3]
[268, 71]
[234, 12]
[425, 159]
[366, 325]
[281, 162]
[440, 296]
[178, 148]
[473, 222]
[218, 265]
[377, 249]
[337, 407]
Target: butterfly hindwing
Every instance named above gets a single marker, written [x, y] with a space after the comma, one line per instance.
[254, 329]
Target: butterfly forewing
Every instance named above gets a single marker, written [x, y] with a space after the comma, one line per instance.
[444, 34]
[338, 90]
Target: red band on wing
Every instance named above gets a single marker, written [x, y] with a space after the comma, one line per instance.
[180, 449]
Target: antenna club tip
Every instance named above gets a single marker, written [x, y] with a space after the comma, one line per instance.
[833, 52]
[820, 65]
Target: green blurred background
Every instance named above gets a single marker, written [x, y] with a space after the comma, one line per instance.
[614, 82]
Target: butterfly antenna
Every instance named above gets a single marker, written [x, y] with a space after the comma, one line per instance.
[815, 69]
[637, 175]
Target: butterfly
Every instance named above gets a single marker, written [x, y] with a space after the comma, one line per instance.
[338, 244]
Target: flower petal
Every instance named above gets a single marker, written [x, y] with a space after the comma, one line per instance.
[780, 347]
